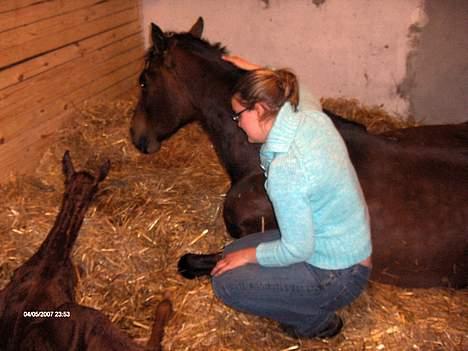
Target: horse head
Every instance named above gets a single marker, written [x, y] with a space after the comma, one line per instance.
[182, 75]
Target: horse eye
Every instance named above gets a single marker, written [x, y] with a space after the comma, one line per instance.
[142, 80]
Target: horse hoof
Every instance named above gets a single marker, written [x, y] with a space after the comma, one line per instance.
[191, 266]
[183, 267]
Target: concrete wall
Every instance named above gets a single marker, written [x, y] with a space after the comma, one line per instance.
[363, 49]
[436, 84]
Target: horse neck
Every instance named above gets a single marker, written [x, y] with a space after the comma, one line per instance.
[239, 157]
[61, 238]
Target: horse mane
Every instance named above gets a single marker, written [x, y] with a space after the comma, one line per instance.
[199, 46]
[205, 50]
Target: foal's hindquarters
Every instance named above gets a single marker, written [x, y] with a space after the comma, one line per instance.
[38, 309]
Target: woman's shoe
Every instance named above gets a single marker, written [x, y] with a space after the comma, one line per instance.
[332, 329]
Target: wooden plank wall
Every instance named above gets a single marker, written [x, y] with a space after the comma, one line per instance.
[55, 54]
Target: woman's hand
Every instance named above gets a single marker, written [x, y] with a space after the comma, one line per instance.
[235, 259]
[240, 62]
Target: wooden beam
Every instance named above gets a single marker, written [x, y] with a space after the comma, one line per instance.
[31, 68]
[39, 11]
[54, 55]
[56, 83]
[21, 117]
[11, 5]
[22, 153]
[123, 89]
[24, 43]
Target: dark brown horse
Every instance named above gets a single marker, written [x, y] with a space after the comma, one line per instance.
[414, 180]
[38, 309]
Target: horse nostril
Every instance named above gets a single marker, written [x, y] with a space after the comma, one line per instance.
[143, 144]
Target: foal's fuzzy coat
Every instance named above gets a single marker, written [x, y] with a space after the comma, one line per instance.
[38, 309]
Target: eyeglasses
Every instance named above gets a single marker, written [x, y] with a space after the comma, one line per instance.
[236, 115]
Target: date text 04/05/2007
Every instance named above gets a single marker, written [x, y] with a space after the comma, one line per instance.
[46, 314]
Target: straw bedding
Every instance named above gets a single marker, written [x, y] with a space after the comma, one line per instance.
[154, 208]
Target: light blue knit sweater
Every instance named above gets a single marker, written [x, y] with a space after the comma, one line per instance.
[316, 196]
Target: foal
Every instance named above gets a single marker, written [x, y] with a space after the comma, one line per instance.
[38, 309]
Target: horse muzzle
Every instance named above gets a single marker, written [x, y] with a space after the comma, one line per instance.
[143, 143]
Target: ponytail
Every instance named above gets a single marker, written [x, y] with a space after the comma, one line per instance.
[289, 85]
[271, 87]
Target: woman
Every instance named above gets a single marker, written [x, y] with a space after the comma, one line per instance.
[318, 261]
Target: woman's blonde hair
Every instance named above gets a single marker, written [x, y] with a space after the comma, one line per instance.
[271, 87]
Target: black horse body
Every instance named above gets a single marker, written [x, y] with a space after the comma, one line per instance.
[414, 180]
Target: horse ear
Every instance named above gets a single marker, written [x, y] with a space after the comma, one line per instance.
[103, 171]
[67, 166]
[159, 40]
[197, 28]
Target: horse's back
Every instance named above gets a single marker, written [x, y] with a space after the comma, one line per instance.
[416, 184]
[443, 136]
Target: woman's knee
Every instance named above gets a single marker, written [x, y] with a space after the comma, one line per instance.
[222, 289]
[231, 287]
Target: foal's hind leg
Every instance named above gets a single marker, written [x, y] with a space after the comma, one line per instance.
[247, 208]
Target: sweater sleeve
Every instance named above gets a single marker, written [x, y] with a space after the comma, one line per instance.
[289, 196]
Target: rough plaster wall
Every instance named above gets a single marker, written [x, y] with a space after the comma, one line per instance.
[436, 85]
[354, 49]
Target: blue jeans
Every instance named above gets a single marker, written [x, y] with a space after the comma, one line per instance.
[301, 296]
